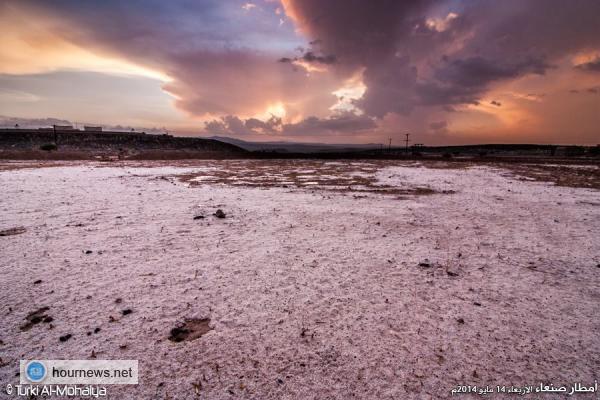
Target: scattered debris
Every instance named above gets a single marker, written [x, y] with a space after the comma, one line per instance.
[190, 330]
[13, 231]
[35, 318]
[66, 337]
[197, 387]
[219, 213]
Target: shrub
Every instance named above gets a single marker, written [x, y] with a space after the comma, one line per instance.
[48, 147]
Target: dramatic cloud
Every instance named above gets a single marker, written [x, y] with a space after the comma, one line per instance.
[339, 124]
[590, 65]
[310, 67]
[421, 53]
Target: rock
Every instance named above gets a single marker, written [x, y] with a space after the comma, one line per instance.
[219, 213]
[96, 330]
[460, 321]
[190, 330]
[199, 217]
[118, 300]
[126, 311]
[66, 337]
[37, 282]
[425, 264]
[13, 231]
[88, 252]
[450, 273]
[35, 317]
[476, 303]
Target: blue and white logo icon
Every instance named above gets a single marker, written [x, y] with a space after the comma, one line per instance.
[35, 371]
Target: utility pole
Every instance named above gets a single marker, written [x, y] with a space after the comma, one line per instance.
[390, 146]
[55, 137]
[407, 135]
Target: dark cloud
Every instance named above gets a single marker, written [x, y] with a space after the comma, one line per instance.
[342, 124]
[346, 123]
[439, 126]
[495, 103]
[590, 66]
[10, 122]
[219, 59]
[399, 44]
[231, 125]
[478, 71]
[311, 57]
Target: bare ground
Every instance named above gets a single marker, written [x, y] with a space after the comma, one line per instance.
[318, 284]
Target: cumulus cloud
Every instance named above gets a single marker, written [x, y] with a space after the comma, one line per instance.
[439, 126]
[342, 124]
[480, 43]
[413, 58]
[593, 65]
[11, 122]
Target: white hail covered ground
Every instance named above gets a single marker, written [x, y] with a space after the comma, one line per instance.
[312, 294]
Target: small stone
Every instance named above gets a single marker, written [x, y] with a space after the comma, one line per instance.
[199, 217]
[280, 381]
[37, 282]
[118, 300]
[460, 321]
[126, 311]
[96, 330]
[476, 303]
[88, 252]
[219, 213]
[66, 337]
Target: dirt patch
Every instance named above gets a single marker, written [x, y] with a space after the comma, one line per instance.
[579, 176]
[192, 329]
[354, 177]
[35, 317]
[13, 231]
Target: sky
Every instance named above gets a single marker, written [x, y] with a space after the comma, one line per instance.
[330, 71]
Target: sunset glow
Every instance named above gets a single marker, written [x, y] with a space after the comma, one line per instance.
[457, 64]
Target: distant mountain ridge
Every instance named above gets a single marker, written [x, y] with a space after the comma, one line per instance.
[89, 144]
[296, 147]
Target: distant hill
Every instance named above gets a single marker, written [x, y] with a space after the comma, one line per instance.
[70, 143]
[293, 147]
